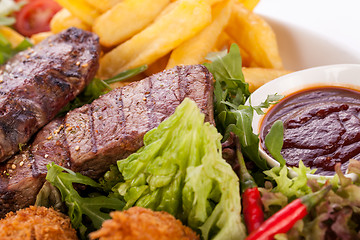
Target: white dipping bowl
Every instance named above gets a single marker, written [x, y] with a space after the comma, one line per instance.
[342, 75]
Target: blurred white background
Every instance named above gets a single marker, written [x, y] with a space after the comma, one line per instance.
[314, 32]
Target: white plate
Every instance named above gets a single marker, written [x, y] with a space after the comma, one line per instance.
[345, 75]
[313, 33]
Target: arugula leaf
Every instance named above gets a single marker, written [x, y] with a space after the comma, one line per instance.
[230, 93]
[98, 87]
[96, 208]
[270, 99]
[230, 85]
[274, 141]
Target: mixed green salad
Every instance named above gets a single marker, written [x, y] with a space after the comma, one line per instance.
[180, 169]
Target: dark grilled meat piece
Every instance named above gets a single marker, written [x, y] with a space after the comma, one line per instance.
[36, 83]
[91, 138]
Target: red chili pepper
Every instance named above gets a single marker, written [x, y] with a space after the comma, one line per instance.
[284, 220]
[252, 209]
[251, 198]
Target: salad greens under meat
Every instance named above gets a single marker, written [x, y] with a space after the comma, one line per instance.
[196, 185]
[180, 170]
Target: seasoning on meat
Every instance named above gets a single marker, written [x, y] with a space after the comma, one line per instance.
[36, 83]
[89, 144]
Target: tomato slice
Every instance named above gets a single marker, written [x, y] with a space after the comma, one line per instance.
[35, 16]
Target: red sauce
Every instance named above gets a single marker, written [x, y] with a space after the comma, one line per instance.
[321, 127]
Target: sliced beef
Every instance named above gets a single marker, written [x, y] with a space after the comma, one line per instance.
[36, 83]
[91, 138]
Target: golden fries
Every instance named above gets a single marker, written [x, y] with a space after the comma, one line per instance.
[255, 35]
[256, 77]
[134, 14]
[249, 4]
[103, 5]
[166, 33]
[194, 50]
[38, 37]
[64, 19]
[158, 66]
[183, 19]
[81, 9]
[212, 2]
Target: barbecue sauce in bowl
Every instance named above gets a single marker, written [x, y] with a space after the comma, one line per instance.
[321, 127]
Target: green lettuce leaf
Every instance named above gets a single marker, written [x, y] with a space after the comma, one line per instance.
[291, 187]
[180, 170]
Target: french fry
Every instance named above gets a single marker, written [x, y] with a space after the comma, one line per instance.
[224, 42]
[64, 19]
[212, 2]
[38, 37]
[249, 4]
[103, 5]
[11, 35]
[256, 77]
[184, 20]
[81, 9]
[255, 36]
[157, 66]
[194, 50]
[128, 81]
[246, 59]
[126, 19]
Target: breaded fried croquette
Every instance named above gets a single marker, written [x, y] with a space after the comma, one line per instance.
[36, 223]
[139, 223]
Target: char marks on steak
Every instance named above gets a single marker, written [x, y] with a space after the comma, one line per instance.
[36, 83]
[91, 138]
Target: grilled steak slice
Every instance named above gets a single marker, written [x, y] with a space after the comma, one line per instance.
[20, 178]
[36, 83]
[91, 138]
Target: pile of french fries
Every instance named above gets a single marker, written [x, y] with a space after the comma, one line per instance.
[166, 33]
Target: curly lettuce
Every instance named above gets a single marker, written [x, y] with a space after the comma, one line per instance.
[180, 170]
[335, 217]
[291, 187]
